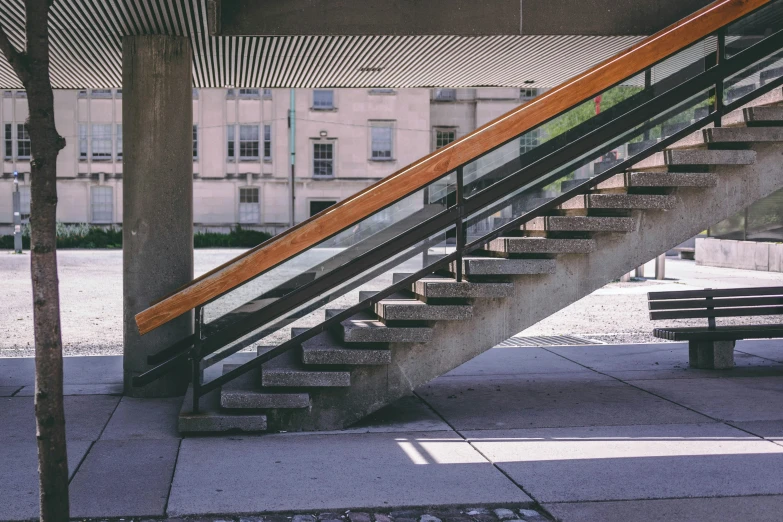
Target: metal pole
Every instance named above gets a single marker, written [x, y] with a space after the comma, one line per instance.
[720, 58]
[460, 228]
[17, 201]
[195, 358]
[292, 151]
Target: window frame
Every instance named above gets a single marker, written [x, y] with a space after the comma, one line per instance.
[442, 130]
[332, 160]
[23, 128]
[317, 107]
[256, 204]
[310, 202]
[102, 139]
[231, 146]
[248, 142]
[195, 142]
[382, 124]
[267, 142]
[445, 95]
[8, 142]
[95, 190]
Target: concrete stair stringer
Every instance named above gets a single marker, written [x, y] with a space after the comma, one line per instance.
[536, 297]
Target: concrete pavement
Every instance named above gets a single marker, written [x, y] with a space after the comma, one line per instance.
[599, 432]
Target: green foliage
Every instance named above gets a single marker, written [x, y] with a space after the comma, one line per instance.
[82, 235]
[583, 112]
[238, 237]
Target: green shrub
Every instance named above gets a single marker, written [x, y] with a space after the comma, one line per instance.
[238, 237]
[82, 235]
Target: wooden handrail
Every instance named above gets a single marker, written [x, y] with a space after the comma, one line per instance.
[415, 176]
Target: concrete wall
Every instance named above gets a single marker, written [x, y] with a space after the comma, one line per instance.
[746, 255]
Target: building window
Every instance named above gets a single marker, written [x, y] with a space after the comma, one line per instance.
[101, 142]
[24, 203]
[381, 138]
[195, 142]
[230, 152]
[323, 100]
[21, 94]
[195, 94]
[249, 93]
[22, 141]
[118, 93]
[8, 142]
[230, 93]
[100, 93]
[249, 210]
[267, 142]
[527, 94]
[445, 94]
[102, 200]
[381, 91]
[119, 142]
[319, 206]
[267, 94]
[529, 141]
[82, 141]
[323, 160]
[248, 142]
[444, 136]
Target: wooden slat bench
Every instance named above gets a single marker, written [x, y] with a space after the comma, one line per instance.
[712, 346]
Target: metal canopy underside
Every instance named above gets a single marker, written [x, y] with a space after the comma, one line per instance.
[87, 52]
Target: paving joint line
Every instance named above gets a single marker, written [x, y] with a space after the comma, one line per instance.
[92, 443]
[720, 421]
[662, 498]
[536, 504]
[171, 481]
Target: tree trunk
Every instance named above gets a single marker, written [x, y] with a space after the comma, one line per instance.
[32, 67]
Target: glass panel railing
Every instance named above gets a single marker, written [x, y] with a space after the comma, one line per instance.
[378, 276]
[264, 292]
[753, 77]
[600, 159]
[754, 28]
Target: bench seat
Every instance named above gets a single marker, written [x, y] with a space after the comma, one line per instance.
[721, 333]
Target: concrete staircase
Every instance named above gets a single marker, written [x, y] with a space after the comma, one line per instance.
[378, 356]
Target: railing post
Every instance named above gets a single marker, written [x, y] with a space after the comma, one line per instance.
[719, 59]
[460, 228]
[195, 358]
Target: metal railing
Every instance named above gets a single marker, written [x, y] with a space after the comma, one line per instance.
[700, 83]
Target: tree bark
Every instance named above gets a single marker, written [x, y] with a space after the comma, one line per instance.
[32, 67]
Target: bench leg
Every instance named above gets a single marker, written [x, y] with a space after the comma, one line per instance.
[711, 355]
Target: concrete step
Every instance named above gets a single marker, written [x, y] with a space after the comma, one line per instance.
[755, 116]
[288, 371]
[704, 137]
[211, 418]
[434, 287]
[497, 266]
[540, 245]
[620, 201]
[580, 224]
[365, 327]
[689, 157]
[659, 179]
[404, 307]
[245, 393]
[324, 349]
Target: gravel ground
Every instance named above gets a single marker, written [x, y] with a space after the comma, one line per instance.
[91, 300]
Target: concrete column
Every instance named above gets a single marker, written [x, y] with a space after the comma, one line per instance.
[660, 266]
[157, 233]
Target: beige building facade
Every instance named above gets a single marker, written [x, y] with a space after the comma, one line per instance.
[345, 140]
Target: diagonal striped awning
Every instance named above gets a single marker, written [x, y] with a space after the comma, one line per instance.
[87, 35]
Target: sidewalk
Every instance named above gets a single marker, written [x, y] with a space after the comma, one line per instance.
[601, 432]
